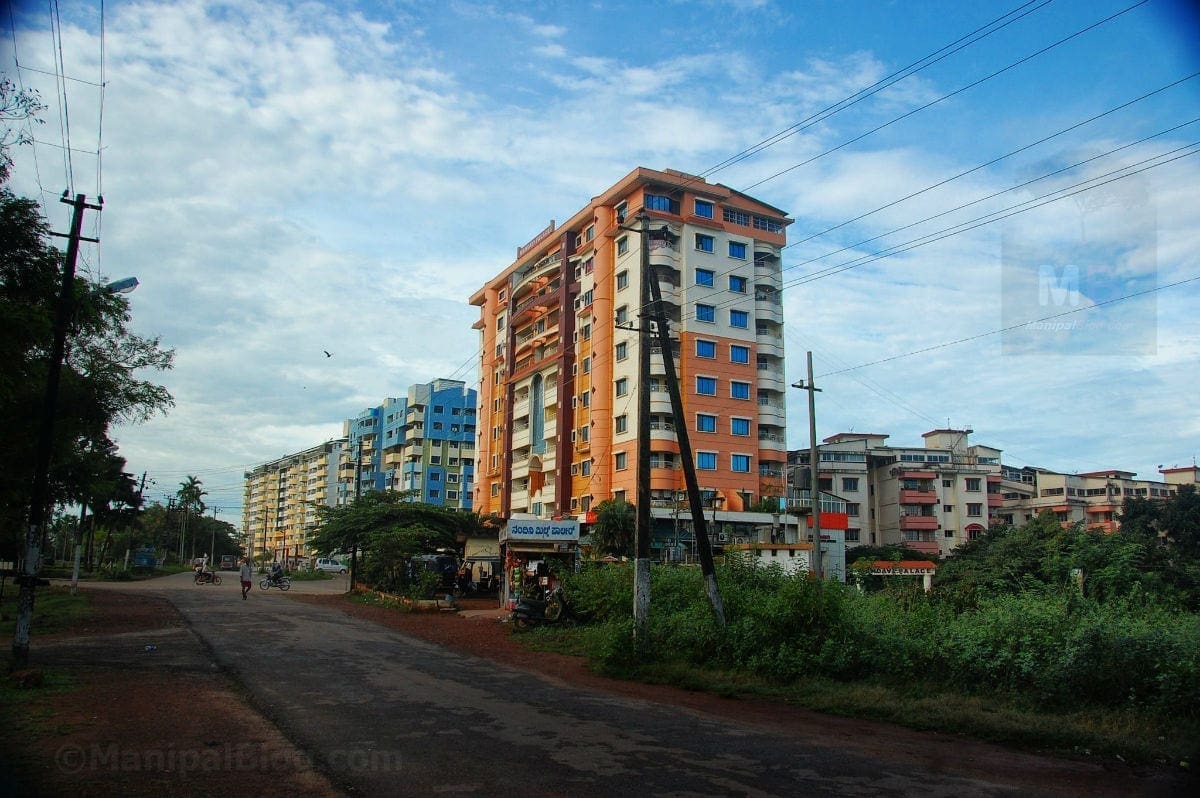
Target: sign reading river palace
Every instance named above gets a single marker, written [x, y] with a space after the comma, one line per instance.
[537, 239]
[539, 530]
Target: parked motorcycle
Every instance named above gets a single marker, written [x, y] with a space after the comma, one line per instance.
[532, 611]
[206, 578]
[282, 582]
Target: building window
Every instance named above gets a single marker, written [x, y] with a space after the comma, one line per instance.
[739, 354]
[621, 424]
[705, 243]
[739, 463]
[587, 365]
[706, 313]
[853, 509]
[622, 350]
[622, 386]
[451, 494]
[622, 279]
[434, 493]
[434, 476]
[591, 233]
[739, 390]
[947, 483]
[704, 209]
[655, 202]
[622, 245]
[622, 315]
[947, 508]
[585, 468]
[739, 318]
[974, 510]
[706, 461]
[973, 484]
[705, 277]
[739, 426]
[737, 284]
[585, 332]
[619, 461]
[737, 250]
[706, 349]
[850, 484]
[706, 386]
[852, 535]
[706, 423]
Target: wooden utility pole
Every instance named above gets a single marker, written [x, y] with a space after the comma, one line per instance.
[814, 465]
[40, 494]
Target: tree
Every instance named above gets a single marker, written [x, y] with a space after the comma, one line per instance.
[16, 105]
[100, 383]
[613, 532]
[390, 528]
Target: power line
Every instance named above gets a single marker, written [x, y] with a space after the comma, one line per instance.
[997, 216]
[1011, 327]
[1009, 154]
[862, 94]
[60, 69]
[944, 97]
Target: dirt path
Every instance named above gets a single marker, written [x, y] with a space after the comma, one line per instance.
[146, 713]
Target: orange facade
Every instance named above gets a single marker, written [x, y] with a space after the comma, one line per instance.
[559, 352]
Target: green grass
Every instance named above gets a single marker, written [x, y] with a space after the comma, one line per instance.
[1134, 736]
[54, 609]
[314, 575]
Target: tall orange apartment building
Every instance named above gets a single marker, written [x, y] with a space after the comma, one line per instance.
[559, 382]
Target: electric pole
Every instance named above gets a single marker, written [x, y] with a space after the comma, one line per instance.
[699, 525]
[40, 494]
[641, 563]
[814, 465]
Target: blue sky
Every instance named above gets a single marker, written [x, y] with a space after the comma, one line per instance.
[286, 178]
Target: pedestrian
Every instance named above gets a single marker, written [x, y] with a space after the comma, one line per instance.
[245, 577]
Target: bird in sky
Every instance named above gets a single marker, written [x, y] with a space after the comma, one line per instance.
[326, 351]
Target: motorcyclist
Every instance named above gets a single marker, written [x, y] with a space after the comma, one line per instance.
[276, 575]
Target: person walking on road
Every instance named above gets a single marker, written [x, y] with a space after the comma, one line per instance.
[245, 577]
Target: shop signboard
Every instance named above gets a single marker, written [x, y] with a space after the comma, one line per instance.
[536, 530]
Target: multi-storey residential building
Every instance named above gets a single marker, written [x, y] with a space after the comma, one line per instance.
[931, 498]
[278, 512]
[1094, 497]
[559, 369]
[424, 443]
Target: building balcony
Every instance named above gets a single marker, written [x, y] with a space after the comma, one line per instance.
[918, 497]
[520, 437]
[995, 500]
[770, 377]
[918, 522]
[771, 413]
[929, 547]
[770, 343]
[772, 440]
[660, 402]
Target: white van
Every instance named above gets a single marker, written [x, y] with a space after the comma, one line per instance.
[330, 564]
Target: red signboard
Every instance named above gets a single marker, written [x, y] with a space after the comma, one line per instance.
[832, 521]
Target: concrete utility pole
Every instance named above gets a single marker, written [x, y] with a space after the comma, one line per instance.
[699, 526]
[641, 563]
[40, 494]
[814, 465]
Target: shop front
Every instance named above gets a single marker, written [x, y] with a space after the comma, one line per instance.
[536, 553]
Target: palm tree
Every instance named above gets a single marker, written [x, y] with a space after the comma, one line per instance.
[616, 521]
[190, 495]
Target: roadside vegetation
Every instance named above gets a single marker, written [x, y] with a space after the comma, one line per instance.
[1037, 635]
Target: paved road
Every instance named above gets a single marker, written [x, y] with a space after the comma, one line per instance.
[385, 714]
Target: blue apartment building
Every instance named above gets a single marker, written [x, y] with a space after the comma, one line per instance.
[423, 443]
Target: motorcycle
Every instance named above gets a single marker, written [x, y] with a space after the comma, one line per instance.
[530, 612]
[282, 582]
[206, 578]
